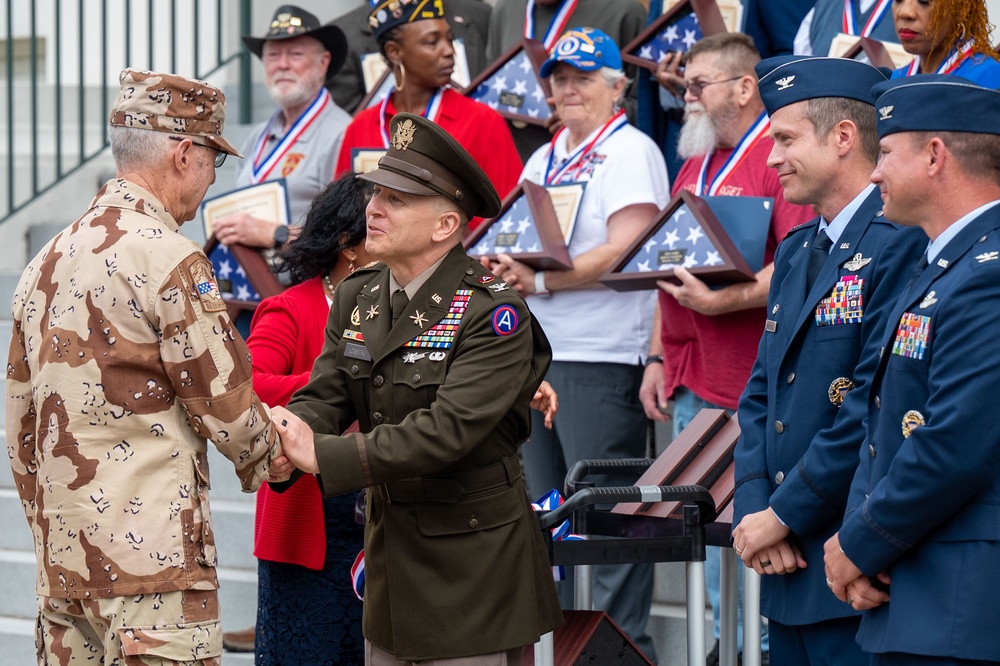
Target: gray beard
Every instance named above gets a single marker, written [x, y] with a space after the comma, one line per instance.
[698, 136]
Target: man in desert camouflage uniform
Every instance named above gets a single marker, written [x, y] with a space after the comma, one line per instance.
[122, 362]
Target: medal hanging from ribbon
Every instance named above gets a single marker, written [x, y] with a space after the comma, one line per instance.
[431, 113]
[948, 65]
[264, 165]
[757, 131]
[849, 24]
[555, 29]
[573, 164]
[550, 501]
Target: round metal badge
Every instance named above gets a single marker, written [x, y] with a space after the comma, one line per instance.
[911, 421]
[839, 389]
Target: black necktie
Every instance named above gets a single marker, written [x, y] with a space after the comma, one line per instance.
[398, 302]
[917, 270]
[818, 253]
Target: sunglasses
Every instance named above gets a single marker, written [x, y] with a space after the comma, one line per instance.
[220, 155]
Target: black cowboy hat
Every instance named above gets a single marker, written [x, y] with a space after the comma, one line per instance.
[290, 21]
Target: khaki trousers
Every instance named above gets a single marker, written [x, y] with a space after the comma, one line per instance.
[375, 656]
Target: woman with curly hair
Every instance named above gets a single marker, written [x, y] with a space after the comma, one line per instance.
[305, 545]
[947, 37]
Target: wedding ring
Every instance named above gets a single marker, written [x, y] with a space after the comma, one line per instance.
[850, 600]
[766, 564]
[829, 582]
[738, 551]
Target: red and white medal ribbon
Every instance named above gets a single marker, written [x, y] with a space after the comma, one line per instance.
[949, 65]
[556, 28]
[575, 162]
[264, 165]
[849, 25]
[431, 113]
[758, 130]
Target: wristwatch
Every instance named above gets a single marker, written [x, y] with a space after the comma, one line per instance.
[651, 359]
[280, 236]
[540, 289]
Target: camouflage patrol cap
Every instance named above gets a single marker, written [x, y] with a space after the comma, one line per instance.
[171, 103]
[424, 159]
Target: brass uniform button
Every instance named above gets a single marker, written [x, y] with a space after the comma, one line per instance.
[779, 426]
[474, 522]
[779, 477]
[378, 381]
[377, 417]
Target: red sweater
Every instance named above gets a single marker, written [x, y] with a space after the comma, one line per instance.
[713, 356]
[286, 336]
[478, 128]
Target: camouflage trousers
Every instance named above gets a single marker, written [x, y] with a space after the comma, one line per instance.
[159, 629]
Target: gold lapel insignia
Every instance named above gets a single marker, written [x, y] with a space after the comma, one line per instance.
[857, 263]
[418, 319]
[911, 421]
[404, 135]
[372, 312]
[356, 316]
[929, 300]
[436, 298]
[838, 390]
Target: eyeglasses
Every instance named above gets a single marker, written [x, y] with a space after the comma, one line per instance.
[697, 87]
[220, 155]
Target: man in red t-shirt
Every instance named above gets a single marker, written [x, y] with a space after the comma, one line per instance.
[705, 341]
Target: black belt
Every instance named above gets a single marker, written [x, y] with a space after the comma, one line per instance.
[452, 488]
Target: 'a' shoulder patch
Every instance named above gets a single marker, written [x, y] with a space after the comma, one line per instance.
[504, 320]
[204, 283]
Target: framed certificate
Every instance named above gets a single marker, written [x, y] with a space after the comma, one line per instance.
[512, 86]
[382, 86]
[267, 201]
[364, 160]
[872, 51]
[685, 233]
[677, 29]
[527, 228]
[243, 275]
[566, 200]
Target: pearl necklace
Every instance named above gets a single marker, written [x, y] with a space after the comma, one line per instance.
[328, 283]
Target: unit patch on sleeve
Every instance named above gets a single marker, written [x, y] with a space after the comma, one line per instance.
[204, 283]
[504, 320]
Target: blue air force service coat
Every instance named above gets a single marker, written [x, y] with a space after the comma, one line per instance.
[927, 491]
[801, 413]
[455, 564]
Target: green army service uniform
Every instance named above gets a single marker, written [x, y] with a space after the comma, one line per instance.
[455, 564]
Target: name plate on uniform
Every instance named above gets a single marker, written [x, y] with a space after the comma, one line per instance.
[681, 25]
[685, 233]
[529, 228]
[512, 86]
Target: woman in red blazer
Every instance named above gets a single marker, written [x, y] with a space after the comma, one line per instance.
[307, 612]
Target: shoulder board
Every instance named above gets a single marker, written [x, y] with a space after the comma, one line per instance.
[478, 276]
[811, 224]
[373, 267]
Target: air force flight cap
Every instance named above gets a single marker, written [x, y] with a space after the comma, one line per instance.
[935, 103]
[424, 159]
[786, 80]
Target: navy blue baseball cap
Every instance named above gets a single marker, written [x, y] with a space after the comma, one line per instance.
[935, 103]
[388, 14]
[786, 79]
[586, 49]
